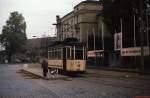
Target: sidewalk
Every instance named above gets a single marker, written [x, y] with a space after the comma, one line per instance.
[36, 70]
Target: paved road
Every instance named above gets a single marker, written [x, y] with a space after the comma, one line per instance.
[18, 85]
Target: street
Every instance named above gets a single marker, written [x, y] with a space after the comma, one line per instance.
[14, 84]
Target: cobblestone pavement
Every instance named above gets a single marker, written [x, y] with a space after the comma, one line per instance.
[16, 85]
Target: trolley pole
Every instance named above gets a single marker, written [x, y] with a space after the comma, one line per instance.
[141, 34]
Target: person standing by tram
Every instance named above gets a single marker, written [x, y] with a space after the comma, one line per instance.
[45, 67]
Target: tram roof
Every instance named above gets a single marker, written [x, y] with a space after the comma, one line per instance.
[62, 44]
[66, 42]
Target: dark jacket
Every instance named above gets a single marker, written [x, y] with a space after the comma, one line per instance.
[45, 66]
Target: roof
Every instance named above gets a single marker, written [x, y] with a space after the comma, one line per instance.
[67, 15]
[88, 1]
[83, 2]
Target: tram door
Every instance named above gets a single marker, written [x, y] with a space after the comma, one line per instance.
[67, 55]
[76, 58]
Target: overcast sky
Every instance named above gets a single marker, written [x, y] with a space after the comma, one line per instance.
[39, 14]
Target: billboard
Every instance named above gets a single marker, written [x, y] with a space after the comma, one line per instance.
[117, 41]
[134, 51]
[94, 53]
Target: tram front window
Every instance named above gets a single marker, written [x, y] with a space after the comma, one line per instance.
[79, 52]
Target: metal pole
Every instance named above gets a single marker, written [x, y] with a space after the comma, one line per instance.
[102, 36]
[83, 53]
[121, 45]
[121, 34]
[74, 49]
[94, 37]
[134, 39]
[103, 47]
[134, 32]
[147, 31]
[115, 43]
[87, 39]
[121, 24]
[94, 45]
[141, 34]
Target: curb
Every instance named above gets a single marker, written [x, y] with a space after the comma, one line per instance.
[32, 73]
[48, 78]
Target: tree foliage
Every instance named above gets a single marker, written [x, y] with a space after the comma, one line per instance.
[14, 33]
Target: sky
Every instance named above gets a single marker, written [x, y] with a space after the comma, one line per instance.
[39, 14]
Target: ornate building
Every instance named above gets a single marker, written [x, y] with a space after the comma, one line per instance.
[85, 20]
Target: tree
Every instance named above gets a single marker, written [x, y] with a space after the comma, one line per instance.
[13, 34]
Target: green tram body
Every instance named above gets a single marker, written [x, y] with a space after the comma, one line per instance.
[68, 57]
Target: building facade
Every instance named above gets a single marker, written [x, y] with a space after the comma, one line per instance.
[132, 33]
[122, 47]
[86, 24]
[82, 22]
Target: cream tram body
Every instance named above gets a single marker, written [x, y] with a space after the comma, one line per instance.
[69, 58]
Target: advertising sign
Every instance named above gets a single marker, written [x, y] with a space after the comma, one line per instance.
[134, 51]
[118, 41]
[91, 54]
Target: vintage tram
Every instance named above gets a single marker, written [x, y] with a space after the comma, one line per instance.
[67, 56]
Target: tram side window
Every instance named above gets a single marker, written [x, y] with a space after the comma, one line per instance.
[72, 53]
[50, 55]
[79, 53]
[55, 54]
[58, 54]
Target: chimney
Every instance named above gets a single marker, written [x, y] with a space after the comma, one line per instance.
[57, 18]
